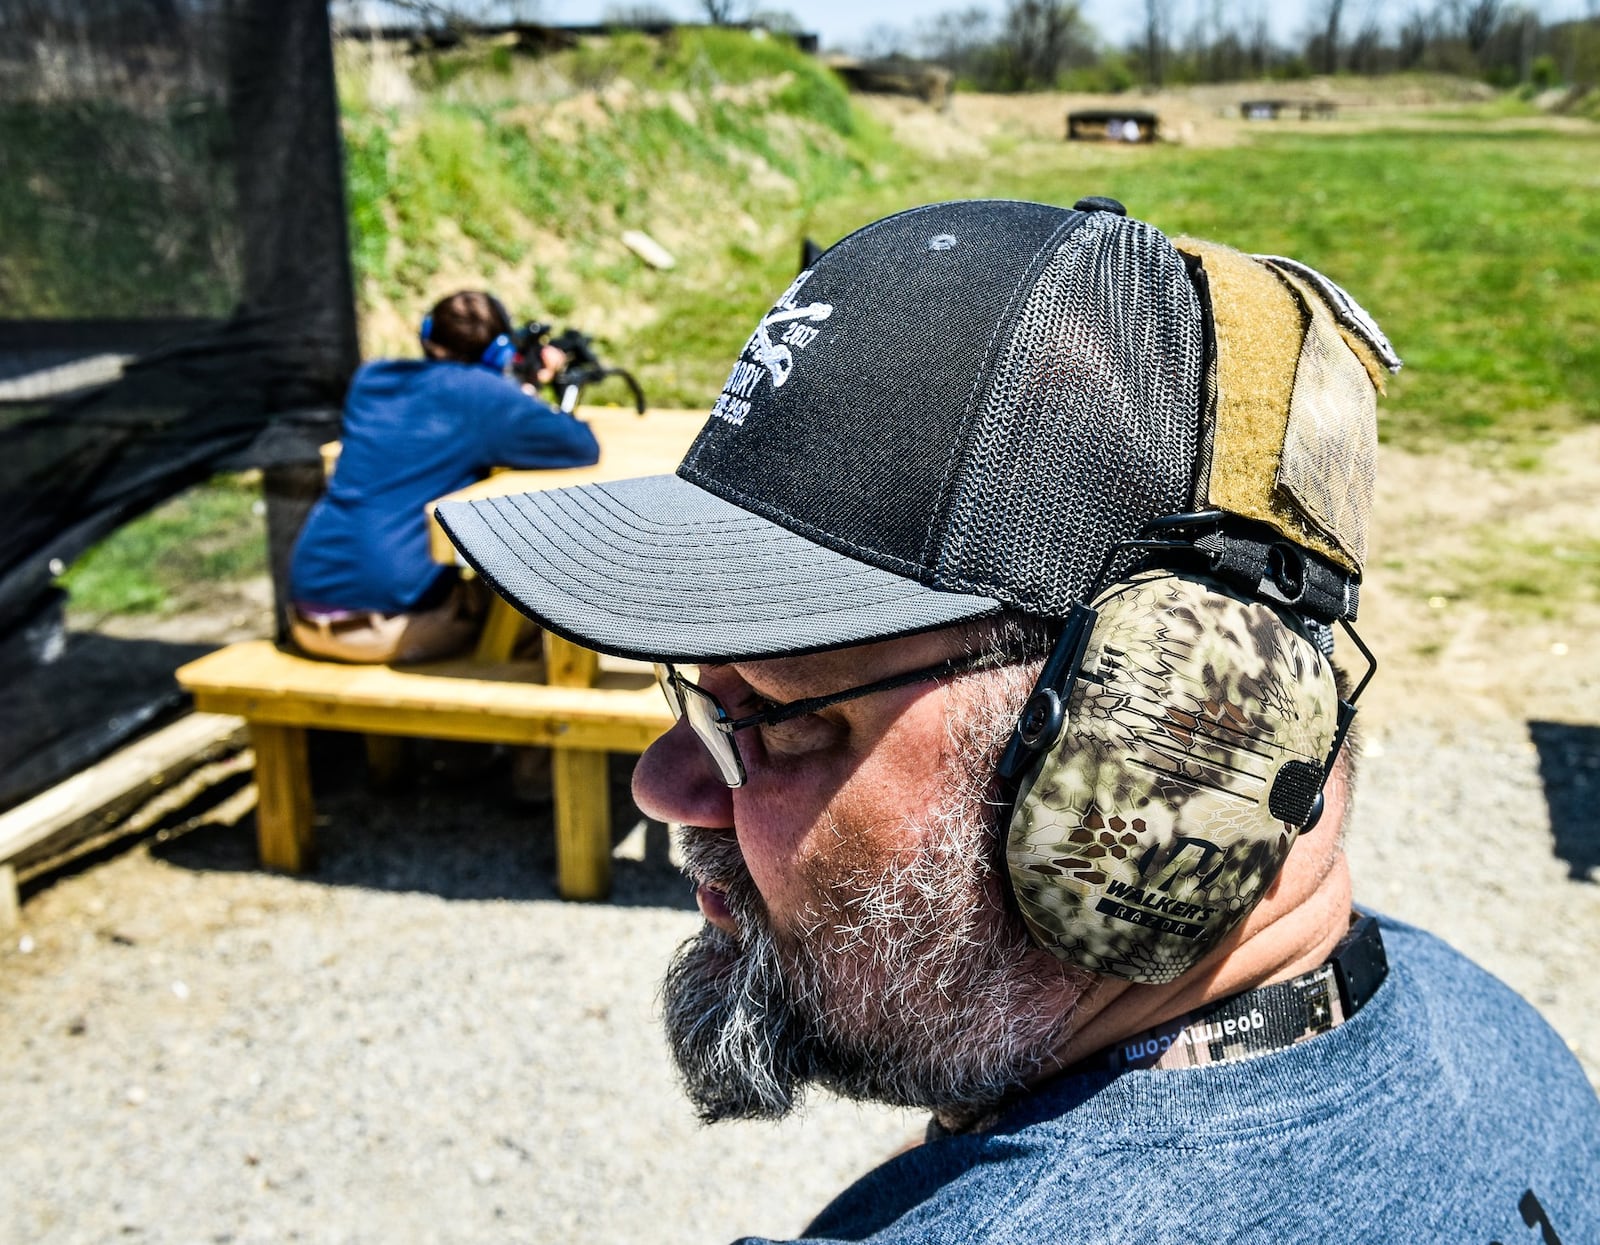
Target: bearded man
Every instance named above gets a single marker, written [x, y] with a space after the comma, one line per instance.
[997, 603]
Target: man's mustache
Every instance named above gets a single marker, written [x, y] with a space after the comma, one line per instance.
[713, 856]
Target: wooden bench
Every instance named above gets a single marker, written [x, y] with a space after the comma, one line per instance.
[280, 695]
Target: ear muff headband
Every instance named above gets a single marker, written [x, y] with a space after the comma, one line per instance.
[499, 353]
[1195, 729]
[502, 351]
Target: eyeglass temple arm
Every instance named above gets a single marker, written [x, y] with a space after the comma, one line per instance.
[799, 708]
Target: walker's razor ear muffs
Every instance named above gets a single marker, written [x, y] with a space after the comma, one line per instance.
[500, 353]
[1166, 762]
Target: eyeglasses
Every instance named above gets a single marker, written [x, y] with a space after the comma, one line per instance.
[715, 728]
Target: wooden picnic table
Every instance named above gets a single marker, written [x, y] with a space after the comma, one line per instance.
[630, 445]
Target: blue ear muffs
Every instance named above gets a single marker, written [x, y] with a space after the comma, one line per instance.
[502, 351]
[498, 354]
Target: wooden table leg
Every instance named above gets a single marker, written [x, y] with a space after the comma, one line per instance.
[579, 788]
[283, 787]
[501, 626]
[579, 791]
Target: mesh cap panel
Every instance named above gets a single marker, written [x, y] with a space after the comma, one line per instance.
[1091, 425]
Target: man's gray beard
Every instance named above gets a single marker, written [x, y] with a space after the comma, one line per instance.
[916, 986]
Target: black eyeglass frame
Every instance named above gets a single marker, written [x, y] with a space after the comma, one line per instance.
[675, 687]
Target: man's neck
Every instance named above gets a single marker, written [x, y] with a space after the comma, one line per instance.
[1294, 929]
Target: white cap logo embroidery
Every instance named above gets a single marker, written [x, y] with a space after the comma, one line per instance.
[773, 359]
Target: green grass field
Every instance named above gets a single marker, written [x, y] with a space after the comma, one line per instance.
[1473, 236]
[1474, 241]
[166, 559]
[1477, 250]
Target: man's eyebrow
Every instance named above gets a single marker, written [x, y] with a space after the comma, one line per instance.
[777, 686]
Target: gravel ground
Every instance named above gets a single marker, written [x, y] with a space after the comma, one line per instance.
[422, 1044]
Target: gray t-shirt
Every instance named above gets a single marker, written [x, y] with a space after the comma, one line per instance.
[1445, 1110]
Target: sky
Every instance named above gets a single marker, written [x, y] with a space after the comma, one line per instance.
[842, 23]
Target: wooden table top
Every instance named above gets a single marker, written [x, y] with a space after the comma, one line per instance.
[630, 445]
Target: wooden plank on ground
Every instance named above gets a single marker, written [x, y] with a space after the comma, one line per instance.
[10, 903]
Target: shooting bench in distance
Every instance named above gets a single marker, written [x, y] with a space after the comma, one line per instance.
[1271, 109]
[1118, 125]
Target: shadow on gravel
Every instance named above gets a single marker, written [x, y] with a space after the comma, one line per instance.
[1569, 767]
[456, 829]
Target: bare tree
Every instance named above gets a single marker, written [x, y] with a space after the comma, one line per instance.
[721, 12]
[1412, 39]
[1366, 52]
[1478, 21]
[962, 40]
[1037, 40]
[778, 21]
[1157, 26]
[638, 13]
[1258, 43]
[882, 41]
[1323, 48]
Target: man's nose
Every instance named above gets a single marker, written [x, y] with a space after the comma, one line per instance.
[676, 781]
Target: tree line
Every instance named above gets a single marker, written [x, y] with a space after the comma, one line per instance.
[1021, 45]
[1034, 44]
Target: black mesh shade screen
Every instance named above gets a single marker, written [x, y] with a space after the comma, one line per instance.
[175, 288]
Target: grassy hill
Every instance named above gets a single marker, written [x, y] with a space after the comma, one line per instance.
[1468, 229]
[479, 168]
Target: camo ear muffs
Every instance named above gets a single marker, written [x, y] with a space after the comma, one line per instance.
[1189, 748]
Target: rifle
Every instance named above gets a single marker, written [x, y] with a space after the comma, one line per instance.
[583, 368]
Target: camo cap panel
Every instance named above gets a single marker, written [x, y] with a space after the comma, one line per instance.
[1145, 834]
[1263, 317]
[1330, 450]
[1359, 330]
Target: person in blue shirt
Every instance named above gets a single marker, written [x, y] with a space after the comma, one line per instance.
[363, 586]
[996, 606]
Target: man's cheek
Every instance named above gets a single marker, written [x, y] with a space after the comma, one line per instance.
[784, 839]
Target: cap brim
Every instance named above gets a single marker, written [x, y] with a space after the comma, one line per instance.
[660, 569]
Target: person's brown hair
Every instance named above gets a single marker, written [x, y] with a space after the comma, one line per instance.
[464, 324]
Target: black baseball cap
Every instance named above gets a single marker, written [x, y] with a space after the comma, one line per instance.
[957, 410]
